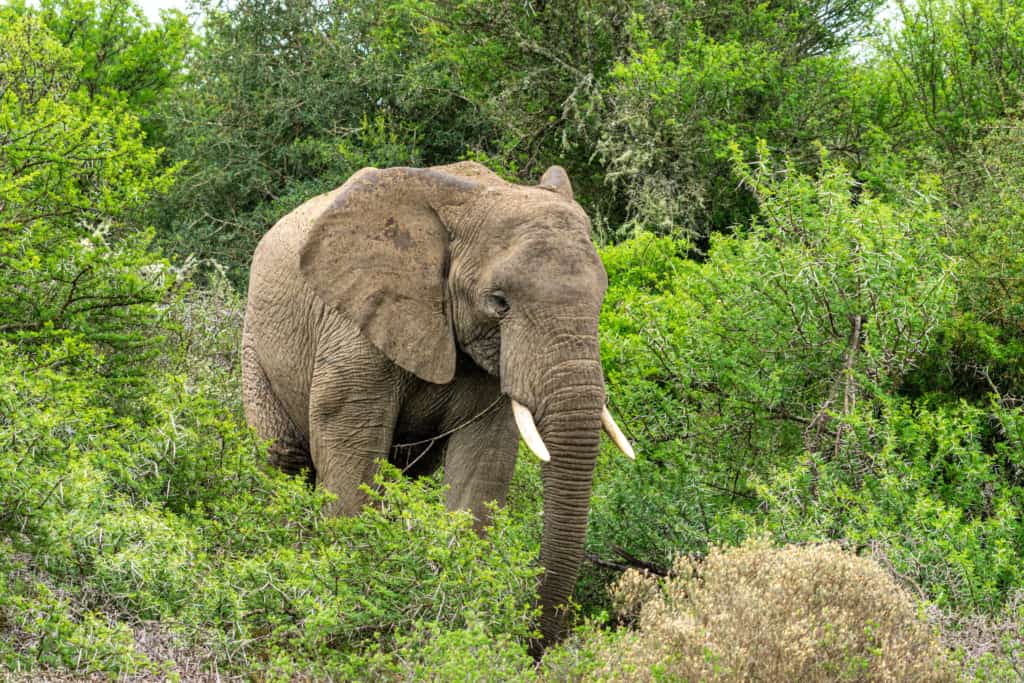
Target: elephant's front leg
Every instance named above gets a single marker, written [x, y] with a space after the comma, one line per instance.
[480, 459]
[352, 414]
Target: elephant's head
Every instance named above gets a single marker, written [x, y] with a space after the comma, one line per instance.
[431, 262]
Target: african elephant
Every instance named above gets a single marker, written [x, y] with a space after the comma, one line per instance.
[444, 307]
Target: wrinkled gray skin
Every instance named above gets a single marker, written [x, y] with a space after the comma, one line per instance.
[376, 316]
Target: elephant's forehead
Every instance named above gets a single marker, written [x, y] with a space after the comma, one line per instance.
[553, 266]
[514, 209]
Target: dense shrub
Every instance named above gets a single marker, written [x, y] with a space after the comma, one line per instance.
[956, 66]
[174, 519]
[983, 347]
[121, 56]
[71, 169]
[765, 355]
[758, 402]
[757, 612]
[675, 104]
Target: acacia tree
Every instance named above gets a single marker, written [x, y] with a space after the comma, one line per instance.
[284, 101]
[71, 168]
[957, 65]
[276, 107]
[119, 54]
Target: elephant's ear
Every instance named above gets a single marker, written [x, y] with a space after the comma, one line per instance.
[379, 255]
[557, 180]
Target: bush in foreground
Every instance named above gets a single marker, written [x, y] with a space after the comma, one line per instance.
[167, 520]
[756, 612]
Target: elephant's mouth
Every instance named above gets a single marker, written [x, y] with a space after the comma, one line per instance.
[534, 441]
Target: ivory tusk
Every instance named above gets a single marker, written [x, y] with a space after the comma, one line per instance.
[528, 430]
[617, 437]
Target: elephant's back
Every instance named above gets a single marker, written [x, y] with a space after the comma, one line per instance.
[282, 310]
[279, 248]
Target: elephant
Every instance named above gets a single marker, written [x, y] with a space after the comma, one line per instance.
[444, 307]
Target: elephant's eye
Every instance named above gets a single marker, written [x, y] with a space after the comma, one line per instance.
[496, 303]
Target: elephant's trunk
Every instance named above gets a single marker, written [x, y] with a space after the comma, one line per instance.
[570, 424]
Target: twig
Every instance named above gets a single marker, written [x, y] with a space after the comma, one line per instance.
[432, 440]
[631, 562]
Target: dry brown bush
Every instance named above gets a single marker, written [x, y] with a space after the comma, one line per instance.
[760, 613]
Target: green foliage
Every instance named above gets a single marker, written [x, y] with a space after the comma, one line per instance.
[470, 654]
[984, 346]
[53, 633]
[957, 66]
[805, 379]
[70, 170]
[172, 518]
[933, 497]
[663, 132]
[120, 55]
[763, 351]
[674, 103]
[825, 342]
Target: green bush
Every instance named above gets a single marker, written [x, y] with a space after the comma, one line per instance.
[672, 108]
[929, 494]
[762, 356]
[72, 168]
[983, 346]
[475, 653]
[121, 56]
[173, 518]
[956, 66]
[44, 629]
[824, 374]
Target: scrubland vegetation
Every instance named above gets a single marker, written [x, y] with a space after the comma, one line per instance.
[814, 334]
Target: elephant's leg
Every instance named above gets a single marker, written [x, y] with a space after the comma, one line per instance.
[352, 415]
[480, 460]
[288, 450]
